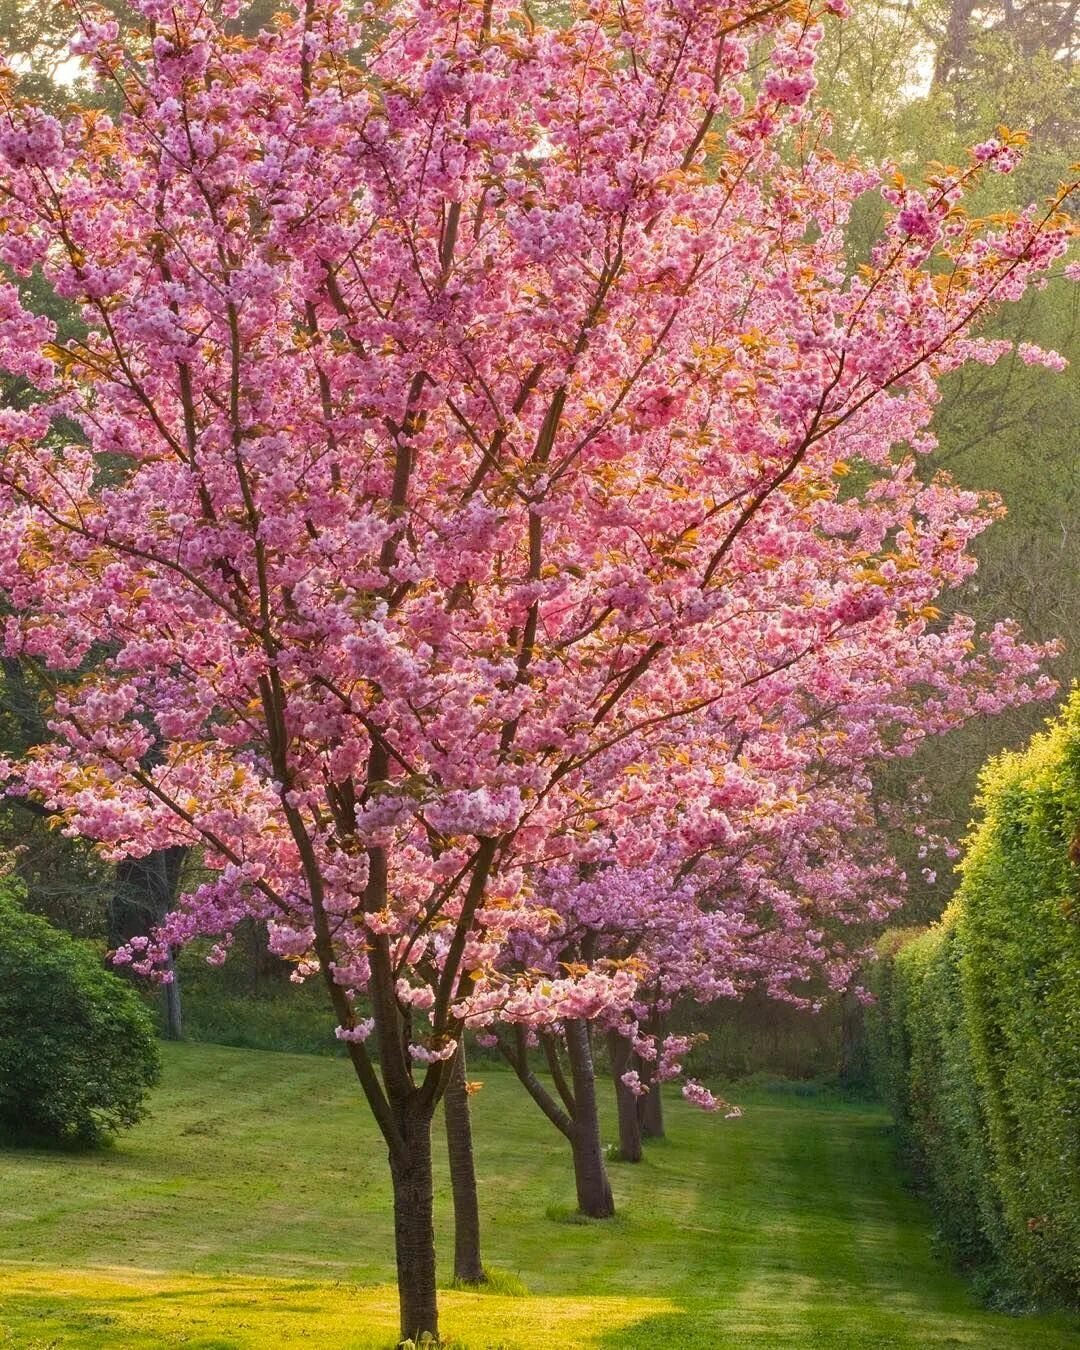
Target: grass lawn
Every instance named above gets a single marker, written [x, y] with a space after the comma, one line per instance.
[252, 1210]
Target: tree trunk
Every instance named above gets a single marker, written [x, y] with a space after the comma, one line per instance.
[144, 892]
[956, 42]
[651, 1112]
[853, 1065]
[593, 1189]
[174, 1021]
[414, 1227]
[468, 1267]
[621, 1053]
[651, 1105]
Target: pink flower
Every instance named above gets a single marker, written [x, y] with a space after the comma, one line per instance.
[357, 1033]
[37, 142]
[433, 1054]
[790, 88]
[997, 156]
[1032, 355]
[698, 1095]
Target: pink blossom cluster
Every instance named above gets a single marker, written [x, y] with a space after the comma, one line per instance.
[356, 1034]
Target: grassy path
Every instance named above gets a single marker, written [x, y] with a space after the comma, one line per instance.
[251, 1211]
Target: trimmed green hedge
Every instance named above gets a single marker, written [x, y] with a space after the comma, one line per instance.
[975, 1038]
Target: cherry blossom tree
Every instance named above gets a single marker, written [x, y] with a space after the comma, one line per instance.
[763, 877]
[461, 420]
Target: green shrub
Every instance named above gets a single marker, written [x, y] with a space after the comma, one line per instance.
[77, 1051]
[975, 1037]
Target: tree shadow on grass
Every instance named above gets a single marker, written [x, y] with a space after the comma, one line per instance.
[686, 1330]
[699, 1330]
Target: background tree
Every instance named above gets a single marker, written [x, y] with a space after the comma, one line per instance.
[918, 82]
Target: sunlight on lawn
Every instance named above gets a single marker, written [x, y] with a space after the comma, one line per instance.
[139, 1309]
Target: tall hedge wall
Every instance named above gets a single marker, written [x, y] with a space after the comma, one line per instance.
[975, 1037]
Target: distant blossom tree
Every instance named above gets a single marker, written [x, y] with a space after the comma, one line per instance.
[762, 874]
[462, 417]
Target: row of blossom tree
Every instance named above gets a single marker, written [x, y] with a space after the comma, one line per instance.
[483, 514]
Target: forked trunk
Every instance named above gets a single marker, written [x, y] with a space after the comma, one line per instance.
[621, 1054]
[414, 1229]
[593, 1188]
[468, 1267]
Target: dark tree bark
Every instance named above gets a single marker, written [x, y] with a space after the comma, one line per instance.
[403, 1108]
[414, 1227]
[174, 1011]
[144, 893]
[651, 1105]
[853, 1066]
[468, 1266]
[955, 43]
[576, 1119]
[590, 1175]
[621, 1054]
[651, 1111]
[518, 1061]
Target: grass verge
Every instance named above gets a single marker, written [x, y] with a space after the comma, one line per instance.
[251, 1211]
